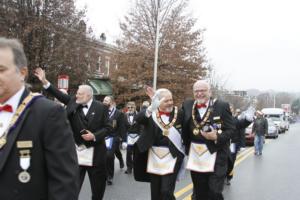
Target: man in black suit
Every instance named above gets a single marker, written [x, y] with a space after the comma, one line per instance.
[133, 130]
[117, 119]
[37, 153]
[207, 128]
[90, 125]
[241, 122]
[161, 145]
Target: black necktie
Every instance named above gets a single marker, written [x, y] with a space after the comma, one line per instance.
[82, 106]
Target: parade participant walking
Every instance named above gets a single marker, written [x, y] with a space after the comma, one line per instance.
[133, 133]
[241, 121]
[207, 128]
[161, 140]
[259, 129]
[90, 125]
[37, 153]
[117, 119]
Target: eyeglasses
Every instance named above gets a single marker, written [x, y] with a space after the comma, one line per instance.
[130, 107]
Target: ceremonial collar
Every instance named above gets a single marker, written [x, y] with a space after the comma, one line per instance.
[169, 125]
[206, 116]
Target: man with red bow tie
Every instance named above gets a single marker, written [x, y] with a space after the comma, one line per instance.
[161, 145]
[206, 132]
[37, 152]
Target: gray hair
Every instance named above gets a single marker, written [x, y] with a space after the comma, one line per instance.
[87, 88]
[162, 91]
[15, 45]
[112, 98]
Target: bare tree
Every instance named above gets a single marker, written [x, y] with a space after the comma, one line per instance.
[181, 53]
[53, 33]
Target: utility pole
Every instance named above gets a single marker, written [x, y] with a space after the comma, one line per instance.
[156, 46]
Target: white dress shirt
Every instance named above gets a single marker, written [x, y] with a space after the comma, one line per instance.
[202, 111]
[89, 103]
[6, 117]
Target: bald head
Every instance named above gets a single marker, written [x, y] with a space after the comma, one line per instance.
[201, 83]
[201, 90]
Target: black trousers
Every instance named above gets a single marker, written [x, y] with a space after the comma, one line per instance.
[162, 187]
[231, 162]
[110, 160]
[129, 157]
[97, 176]
[208, 186]
[118, 153]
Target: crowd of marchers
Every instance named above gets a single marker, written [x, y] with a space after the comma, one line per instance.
[47, 147]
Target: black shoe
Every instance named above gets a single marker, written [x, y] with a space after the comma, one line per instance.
[121, 164]
[128, 171]
[109, 182]
[228, 182]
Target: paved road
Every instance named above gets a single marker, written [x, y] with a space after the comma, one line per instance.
[272, 176]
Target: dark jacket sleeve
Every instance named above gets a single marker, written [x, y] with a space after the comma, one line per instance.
[242, 124]
[122, 126]
[266, 126]
[228, 126]
[141, 117]
[62, 97]
[185, 127]
[60, 156]
[254, 127]
[106, 127]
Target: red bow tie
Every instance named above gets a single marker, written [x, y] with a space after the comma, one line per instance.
[163, 113]
[6, 108]
[201, 105]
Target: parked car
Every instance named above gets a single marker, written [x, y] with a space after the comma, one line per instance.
[273, 129]
[249, 136]
[278, 116]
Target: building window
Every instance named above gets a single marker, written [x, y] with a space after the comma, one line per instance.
[107, 63]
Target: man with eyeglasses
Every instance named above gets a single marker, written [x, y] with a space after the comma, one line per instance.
[207, 127]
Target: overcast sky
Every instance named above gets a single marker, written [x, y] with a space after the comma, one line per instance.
[251, 43]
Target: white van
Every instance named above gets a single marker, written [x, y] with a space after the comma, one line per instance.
[278, 116]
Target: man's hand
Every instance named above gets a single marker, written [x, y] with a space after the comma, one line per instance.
[124, 145]
[40, 74]
[88, 136]
[212, 135]
[149, 91]
[155, 103]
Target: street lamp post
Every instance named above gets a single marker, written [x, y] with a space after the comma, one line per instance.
[156, 46]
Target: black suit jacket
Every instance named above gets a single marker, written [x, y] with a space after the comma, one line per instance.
[117, 120]
[97, 123]
[152, 136]
[219, 109]
[133, 127]
[53, 165]
[240, 125]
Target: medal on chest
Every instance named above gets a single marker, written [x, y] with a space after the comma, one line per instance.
[199, 126]
[166, 127]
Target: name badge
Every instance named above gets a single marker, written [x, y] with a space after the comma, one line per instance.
[24, 144]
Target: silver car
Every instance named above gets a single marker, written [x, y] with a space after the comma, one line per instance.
[273, 129]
